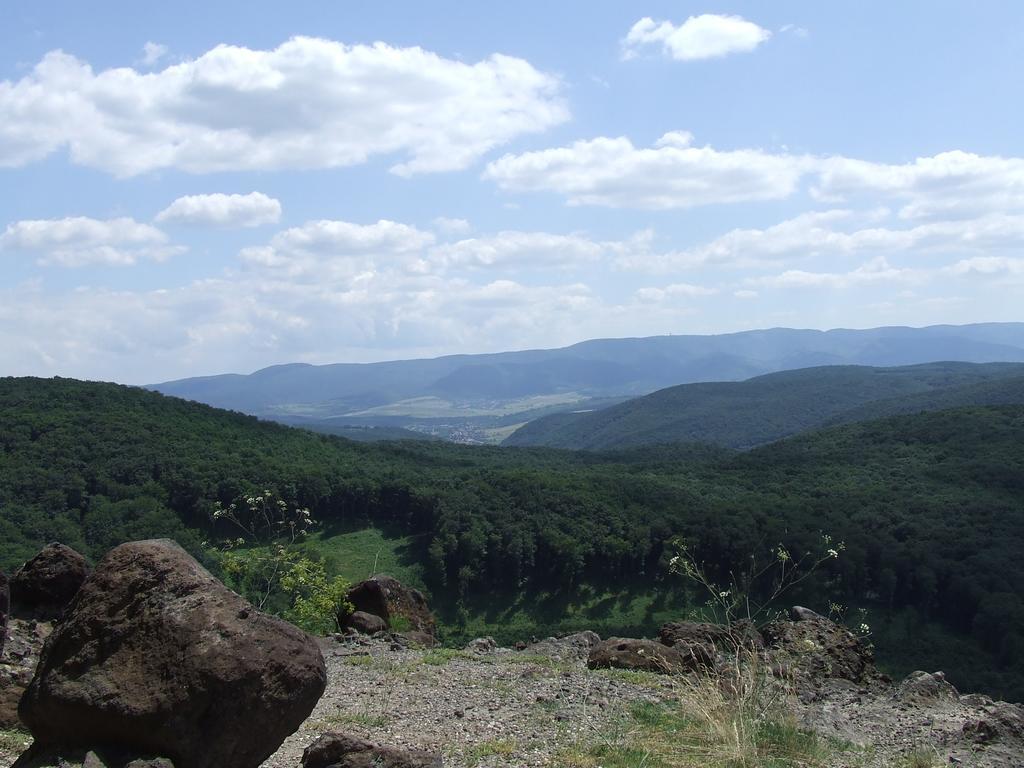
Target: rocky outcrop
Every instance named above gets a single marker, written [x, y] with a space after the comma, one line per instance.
[403, 609]
[646, 655]
[44, 586]
[157, 656]
[5, 608]
[815, 649]
[568, 647]
[339, 750]
[18, 664]
[712, 638]
[481, 646]
[922, 687]
[109, 758]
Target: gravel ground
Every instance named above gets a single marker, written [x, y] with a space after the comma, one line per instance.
[503, 708]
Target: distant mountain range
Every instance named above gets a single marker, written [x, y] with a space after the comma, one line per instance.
[766, 408]
[484, 398]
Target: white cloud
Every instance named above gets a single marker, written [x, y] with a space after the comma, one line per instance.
[309, 103]
[878, 270]
[674, 291]
[81, 241]
[947, 185]
[328, 248]
[672, 174]
[449, 226]
[152, 53]
[987, 266]
[220, 210]
[745, 293]
[518, 249]
[707, 36]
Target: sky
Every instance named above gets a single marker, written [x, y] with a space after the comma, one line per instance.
[198, 188]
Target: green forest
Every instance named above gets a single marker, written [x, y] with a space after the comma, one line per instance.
[930, 507]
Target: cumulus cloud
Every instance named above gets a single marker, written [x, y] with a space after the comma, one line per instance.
[707, 36]
[220, 210]
[843, 232]
[80, 241]
[450, 226]
[877, 270]
[327, 247]
[672, 174]
[949, 184]
[309, 103]
[674, 291]
[152, 53]
[675, 174]
[523, 249]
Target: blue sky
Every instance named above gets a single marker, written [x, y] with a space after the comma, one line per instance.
[187, 190]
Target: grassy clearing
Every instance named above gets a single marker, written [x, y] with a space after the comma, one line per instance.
[632, 612]
[358, 555]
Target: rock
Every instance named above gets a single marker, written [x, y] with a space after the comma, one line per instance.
[18, 664]
[646, 655]
[997, 721]
[5, 608]
[364, 622]
[799, 613]
[713, 637]
[924, 686]
[568, 647]
[339, 750]
[816, 649]
[157, 656]
[37, 757]
[481, 645]
[44, 586]
[403, 608]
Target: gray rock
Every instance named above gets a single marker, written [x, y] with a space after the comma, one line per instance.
[158, 657]
[481, 645]
[799, 613]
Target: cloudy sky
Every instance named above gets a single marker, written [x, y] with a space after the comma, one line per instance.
[191, 188]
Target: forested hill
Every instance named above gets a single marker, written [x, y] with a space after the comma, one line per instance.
[589, 369]
[930, 506]
[766, 408]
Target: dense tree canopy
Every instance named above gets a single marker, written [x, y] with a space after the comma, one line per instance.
[930, 506]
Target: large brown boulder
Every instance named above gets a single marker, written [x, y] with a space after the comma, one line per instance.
[339, 750]
[728, 639]
[403, 608]
[43, 586]
[156, 656]
[646, 655]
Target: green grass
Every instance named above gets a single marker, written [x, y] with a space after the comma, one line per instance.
[501, 748]
[357, 555]
[631, 612]
[671, 735]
